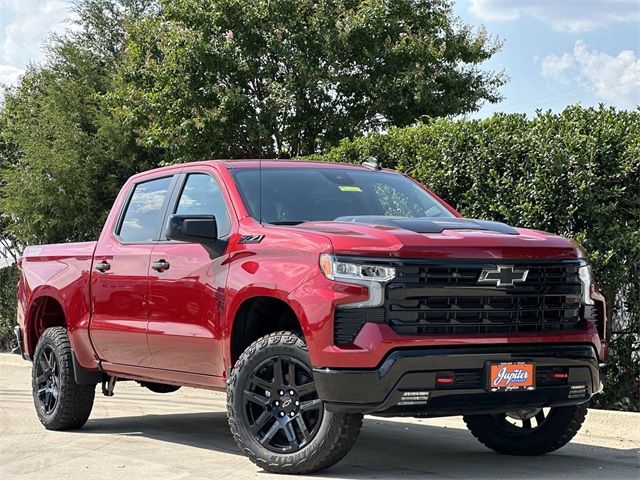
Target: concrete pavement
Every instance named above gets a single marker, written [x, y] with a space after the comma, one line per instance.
[138, 435]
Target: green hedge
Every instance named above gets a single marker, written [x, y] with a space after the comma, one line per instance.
[8, 282]
[576, 173]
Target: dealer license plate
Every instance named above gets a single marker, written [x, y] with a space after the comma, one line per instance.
[510, 376]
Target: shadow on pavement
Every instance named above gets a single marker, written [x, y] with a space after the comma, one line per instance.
[387, 449]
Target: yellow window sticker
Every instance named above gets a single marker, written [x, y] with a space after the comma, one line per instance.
[350, 188]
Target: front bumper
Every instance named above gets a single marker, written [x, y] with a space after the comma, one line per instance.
[412, 372]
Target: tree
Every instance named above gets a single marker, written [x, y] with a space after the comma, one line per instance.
[244, 78]
[9, 246]
[68, 154]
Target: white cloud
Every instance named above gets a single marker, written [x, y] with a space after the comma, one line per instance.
[566, 16]
[614, 79]
[30, 23]
[556, 67]
[9, 74]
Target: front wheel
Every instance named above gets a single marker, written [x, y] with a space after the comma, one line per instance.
[528, 432]
[275, 414]
[61, 404]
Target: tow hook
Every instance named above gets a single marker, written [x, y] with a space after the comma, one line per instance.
[108, 386]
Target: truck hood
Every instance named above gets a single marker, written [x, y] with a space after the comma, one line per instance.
[439, 238]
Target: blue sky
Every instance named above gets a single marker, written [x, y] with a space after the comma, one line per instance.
[556, 52]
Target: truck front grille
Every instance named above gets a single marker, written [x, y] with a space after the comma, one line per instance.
[445, 298]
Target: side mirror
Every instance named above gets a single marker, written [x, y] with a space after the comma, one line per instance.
[192, 228]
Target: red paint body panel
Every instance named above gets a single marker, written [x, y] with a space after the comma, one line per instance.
[61, 272]
[175, 326]
[186, 308]
[120, 304]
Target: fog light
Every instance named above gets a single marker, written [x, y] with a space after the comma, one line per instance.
[414, 398]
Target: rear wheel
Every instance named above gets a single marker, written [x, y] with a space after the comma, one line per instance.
[528, 432]
[275, 414]
[61, 404]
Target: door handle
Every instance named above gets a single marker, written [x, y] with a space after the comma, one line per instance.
[160, 265]
[103, 266]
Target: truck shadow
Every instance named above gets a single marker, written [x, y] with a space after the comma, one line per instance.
[388, 449]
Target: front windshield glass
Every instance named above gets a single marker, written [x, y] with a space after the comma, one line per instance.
[296, 195]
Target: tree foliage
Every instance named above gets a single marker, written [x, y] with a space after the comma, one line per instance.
[8, 312]
[67, 155]
[238, 78]
[576, 173]
[140, 82]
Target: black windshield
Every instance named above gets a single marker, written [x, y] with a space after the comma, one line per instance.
[295, 195]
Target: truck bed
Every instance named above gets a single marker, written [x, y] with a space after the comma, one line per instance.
[61, 272]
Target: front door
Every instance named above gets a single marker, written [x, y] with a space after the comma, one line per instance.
[119, 288]
[186, 287]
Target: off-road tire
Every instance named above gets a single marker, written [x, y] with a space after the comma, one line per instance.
[335, 436]
[74, 403]
[160, 387]
[559, 428]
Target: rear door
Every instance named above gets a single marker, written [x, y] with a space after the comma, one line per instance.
[119, 281]
[187, 298]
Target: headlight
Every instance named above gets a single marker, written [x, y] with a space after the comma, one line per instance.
[371, 276]
[586, 278]
[354, 272]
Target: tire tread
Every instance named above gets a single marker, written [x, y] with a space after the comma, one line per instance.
[76, 401]
[566, 424]
[314, 458]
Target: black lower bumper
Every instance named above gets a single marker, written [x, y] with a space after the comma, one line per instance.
[405, 383]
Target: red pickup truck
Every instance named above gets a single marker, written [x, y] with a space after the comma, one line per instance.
[313, 293]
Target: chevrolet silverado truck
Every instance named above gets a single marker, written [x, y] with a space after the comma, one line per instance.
[314, 293]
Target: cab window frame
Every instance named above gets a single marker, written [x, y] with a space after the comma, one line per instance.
[158, 231]
[176, 195]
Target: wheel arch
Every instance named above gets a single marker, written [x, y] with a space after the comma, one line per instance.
[45, 310]
[258, 314]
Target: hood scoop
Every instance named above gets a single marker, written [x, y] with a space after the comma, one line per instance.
[431, 225]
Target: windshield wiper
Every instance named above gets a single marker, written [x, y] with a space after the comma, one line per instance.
[285, 223]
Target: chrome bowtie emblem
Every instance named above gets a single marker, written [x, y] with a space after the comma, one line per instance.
[502, 275]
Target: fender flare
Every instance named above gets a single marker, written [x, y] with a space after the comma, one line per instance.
[259, 290]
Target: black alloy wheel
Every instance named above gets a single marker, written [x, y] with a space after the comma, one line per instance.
[524, 421]
[61, 403]
[281, 404]
[533, 431]
[48, 379]
[276, 415]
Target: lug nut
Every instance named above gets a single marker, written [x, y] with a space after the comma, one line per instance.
[281, 392]
[282, 414]
[297, 402]
[292, 414]
[276, 403]
[291, 392]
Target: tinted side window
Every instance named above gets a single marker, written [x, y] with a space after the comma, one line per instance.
[201, 195]
[144, 212]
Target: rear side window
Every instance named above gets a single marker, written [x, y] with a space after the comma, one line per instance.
[144, 212]
[201, 195]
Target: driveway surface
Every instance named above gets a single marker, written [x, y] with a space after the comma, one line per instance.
[141, 435]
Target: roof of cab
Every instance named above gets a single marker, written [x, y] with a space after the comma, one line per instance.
[253, 163]
[275, 163]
